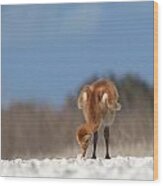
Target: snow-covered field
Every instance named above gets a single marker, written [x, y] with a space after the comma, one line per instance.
[116, 168]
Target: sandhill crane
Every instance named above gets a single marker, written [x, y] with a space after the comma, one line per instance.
[99, 103]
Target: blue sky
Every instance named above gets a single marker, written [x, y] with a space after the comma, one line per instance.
[49, 50]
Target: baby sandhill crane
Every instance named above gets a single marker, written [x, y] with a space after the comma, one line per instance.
[99, 103]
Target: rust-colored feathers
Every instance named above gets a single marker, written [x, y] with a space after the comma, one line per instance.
[96, 100]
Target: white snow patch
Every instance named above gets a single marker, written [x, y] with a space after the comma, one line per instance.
[116, 168]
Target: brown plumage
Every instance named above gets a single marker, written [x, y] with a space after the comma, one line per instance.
[99, 103]
[84, 134]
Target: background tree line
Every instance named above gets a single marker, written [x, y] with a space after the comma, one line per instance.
[31, 130]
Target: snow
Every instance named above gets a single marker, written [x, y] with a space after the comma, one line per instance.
[117, 168]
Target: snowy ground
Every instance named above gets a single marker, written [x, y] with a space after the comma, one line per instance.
[116, 168]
